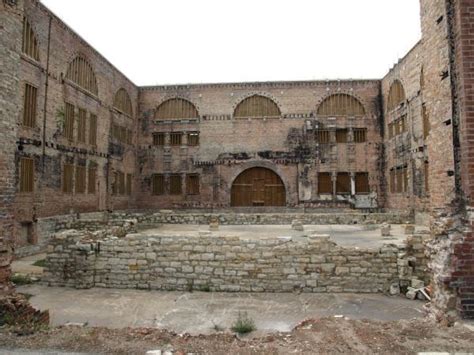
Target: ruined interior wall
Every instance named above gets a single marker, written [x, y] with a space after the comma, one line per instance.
[228, 146]
[46, 143]
[213, 263]
[10, 47]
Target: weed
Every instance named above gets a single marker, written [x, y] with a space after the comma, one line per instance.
[243, 324]
[20, 279]
[40, 263]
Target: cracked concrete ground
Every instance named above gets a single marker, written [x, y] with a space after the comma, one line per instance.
[202, 312]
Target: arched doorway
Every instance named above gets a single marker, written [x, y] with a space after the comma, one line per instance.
[258, 187]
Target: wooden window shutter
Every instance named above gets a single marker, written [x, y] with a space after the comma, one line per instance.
[341, 135]
[192, 184]
[91, 178]
[193, 138]
[27, 174]
[93, 130]
[343, 183]
[360, 135]
[362, 183]
[129, 184]
[68, 178]
[159, 139]
[324, 183]
[176, 138]
[158, 184]
[81, 125]
[69, 122]
[175, 184]
[323, 136]
[80, 179]
[29, 106]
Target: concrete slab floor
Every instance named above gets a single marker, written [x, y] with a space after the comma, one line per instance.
[25, 265]
[203, 312]
[362, 236]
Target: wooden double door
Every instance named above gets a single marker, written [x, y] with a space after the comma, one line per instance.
[258, 187]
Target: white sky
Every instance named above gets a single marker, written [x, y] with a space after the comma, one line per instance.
[193, 41]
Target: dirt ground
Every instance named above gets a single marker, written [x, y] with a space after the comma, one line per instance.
[322, 336]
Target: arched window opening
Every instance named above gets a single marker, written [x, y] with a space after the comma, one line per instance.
[80, 72]
[123, 103]
[176, 108]
[257, 106]
[396, 95]
[341, 105]
[29, 44]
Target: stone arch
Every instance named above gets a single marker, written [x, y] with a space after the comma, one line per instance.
[257, 105]
[258, 185]
[30, 45]
[176, 108]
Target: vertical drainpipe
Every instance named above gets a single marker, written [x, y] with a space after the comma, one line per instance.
[46, 93]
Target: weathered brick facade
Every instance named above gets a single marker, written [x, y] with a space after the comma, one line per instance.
[408, 147]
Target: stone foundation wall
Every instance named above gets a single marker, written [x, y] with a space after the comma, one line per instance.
[211, 263]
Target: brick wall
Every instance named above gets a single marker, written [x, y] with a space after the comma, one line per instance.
[10, 46]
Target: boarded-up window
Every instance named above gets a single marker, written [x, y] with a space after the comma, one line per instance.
[115, 183]
[80, 179]
[120, 182]
[397, 126]
[257, 106]
[68, 178]
[341, 105]
[175, 184]
[176, 138]
[362, 183]
[29, 106]
[343, 183]
[393, 187]
[426, 122]
[123, 103]
[390, 130]
[129, 136]
[403, 124]
[158, 184]
[193, 138]
[123, 134]
[158, 139]
[93, 130]
[29, 44]
[81, 125]
[27, 174]
[129, 184]
[192, 184]
[405, 178]
[69, 122]
[324, 183]
[176, 108]
[91, 178]
[80, 72]
[396, 95]
[427, 176]
[341, 135]
[360, 135]
[323, 136]
[399, 175]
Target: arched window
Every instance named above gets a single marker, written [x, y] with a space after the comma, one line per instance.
[176, 108]
[341, 105]
[396, 95]
[81, 73]
[29, 44]
[123, 103]
[257, 106]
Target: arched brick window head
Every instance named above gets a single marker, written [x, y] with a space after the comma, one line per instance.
[176, 108]
[396, 95]
[80, 72]
[341, 105]
[123, 103]
[257, 106]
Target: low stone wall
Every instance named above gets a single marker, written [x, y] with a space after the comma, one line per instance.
[227, 218]
[211, 263]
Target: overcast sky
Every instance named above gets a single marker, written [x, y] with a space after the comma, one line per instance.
[193, 41]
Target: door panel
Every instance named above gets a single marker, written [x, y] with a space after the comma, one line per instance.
[258, 187]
